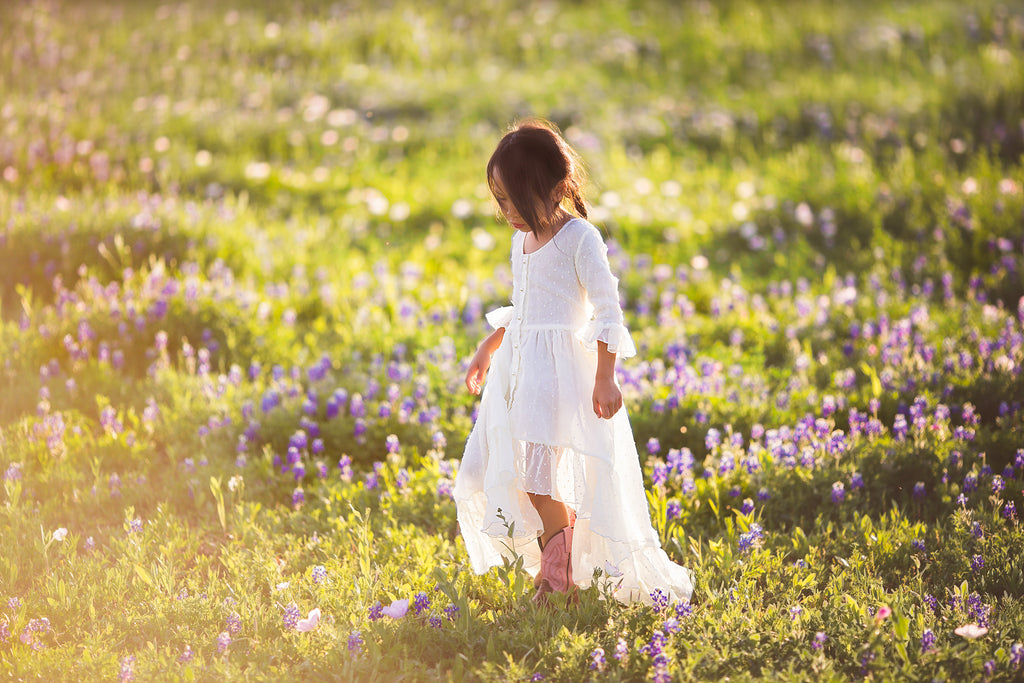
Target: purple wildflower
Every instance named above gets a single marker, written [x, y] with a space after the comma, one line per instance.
[376, 611]
[223, 641]
[355, 643]
[927, 641]
[819, 640]
[838, 492]
[291, 616]
[597, 660]
[127, 669]
[1016, 655]
[977, 563]
[659, 600]
[420, 602]
[319, 574]
[621, 649]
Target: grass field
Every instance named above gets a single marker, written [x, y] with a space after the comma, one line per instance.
[245, 254]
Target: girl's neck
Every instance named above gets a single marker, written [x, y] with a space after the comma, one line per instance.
[553, 224]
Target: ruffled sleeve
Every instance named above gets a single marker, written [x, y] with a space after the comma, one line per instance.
[594, 273]
[500, 317]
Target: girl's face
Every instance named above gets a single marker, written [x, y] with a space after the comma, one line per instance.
[510, 212]
[506, 206]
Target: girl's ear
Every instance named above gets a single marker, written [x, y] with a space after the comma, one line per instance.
[558, 194]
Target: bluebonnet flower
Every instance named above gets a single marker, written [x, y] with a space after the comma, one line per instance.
[795, 611]
[899, 427]
[355, 643]
[653, 446]
[659, 475]
[918, 545]
[919, 490]
[434, 621]
[989, 667]
[654, 646]
[1010, 510]
[127, 672]
[223, 642]
[319, 574]
[13, 472]
[291, 616]
[977, 563]
[751, 538]
[392, 443]
[927, 641]
[233, 624]
[298, 497]
[597, 660]
[451, 611]
[421, 602]
[673, 509]
[186, 655]
[659, 600]
[747, 507]
[683, 609]
[621, 649]
[1016, 655]
[856, 481]
[713, 439]
[376, 611]
[345, 465]
[932, 602]
[838, 492]
[135, 526]
[977, 530]
[671, 625]
[819, 640]
[998, 484]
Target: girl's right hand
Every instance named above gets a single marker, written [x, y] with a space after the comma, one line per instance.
[478, 371]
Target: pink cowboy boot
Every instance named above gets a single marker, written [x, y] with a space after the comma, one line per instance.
[540, 574]
[555, 566]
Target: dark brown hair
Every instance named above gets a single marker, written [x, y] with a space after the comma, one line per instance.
[532, 160]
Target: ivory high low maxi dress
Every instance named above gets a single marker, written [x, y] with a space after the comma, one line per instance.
[536, 430]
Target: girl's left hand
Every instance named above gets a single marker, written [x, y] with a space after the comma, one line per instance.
[607, 398]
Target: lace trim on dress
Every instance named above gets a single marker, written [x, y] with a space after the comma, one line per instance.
[500, 317]
[616, 336]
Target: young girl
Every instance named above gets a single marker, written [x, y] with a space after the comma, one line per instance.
[551, 457]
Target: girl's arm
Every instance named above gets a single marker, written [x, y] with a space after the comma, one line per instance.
[607, 397]
[482, 360]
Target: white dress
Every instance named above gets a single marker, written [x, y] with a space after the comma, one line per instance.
[536, 430]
